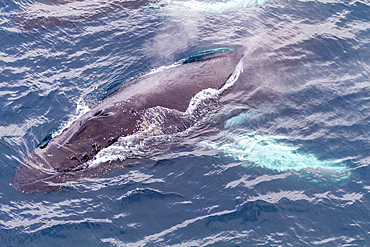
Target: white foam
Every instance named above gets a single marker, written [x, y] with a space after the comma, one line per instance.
[211, 93]
[162, 68]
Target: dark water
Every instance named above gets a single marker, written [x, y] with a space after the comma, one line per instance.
[283, 161]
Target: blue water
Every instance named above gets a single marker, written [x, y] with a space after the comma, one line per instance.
[282, 161]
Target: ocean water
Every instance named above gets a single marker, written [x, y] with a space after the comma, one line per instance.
[281, 160]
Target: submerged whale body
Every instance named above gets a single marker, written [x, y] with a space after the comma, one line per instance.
[63, 158]
[50, 13]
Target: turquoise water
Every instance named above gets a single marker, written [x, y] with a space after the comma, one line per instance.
[281, 159]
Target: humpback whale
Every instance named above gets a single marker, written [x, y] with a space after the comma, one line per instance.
[63, 158]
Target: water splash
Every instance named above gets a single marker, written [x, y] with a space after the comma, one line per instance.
[217, 7]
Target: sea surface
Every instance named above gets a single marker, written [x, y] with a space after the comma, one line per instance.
[281, 160]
